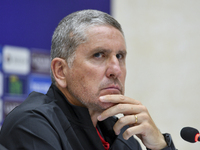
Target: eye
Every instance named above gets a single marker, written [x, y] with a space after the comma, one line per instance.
[119, 56]
[99, 55]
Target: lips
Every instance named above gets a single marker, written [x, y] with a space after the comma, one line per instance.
[112, 89]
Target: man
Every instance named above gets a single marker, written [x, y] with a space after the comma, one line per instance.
[88, 74]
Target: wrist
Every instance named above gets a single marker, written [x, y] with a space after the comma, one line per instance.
[169, 143]
[162, 144]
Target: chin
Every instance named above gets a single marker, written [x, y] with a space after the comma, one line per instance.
[105, 106]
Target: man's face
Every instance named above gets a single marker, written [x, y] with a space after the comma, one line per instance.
[98, 68]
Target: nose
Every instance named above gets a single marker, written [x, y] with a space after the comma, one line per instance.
[113, 69]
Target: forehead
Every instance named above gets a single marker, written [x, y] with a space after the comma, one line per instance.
[106, 36]
[103, 30]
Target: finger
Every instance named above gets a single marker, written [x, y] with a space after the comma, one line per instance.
[126, 120]
[119, 99]
[134, 130]
[125, 109]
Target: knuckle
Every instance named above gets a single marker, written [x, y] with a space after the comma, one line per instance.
[144, 108]
[120, 107]
[121, 120]
[128, 132]
[145, 117]
[138, 102]
[122, 98]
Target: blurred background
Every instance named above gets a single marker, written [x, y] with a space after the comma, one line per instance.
[163, 65]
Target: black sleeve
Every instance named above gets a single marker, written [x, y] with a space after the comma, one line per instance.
[30, 132]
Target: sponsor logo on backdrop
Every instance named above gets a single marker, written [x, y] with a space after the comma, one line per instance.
[39, 83]
[15, 85]
[1, 84]
[16, 60]
[40, 62]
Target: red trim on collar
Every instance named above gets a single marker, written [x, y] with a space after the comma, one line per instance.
[105, 144]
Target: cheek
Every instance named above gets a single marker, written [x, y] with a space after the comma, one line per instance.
[123, 73]
[87, 78]
[92, 77]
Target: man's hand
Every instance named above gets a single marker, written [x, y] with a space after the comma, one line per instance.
[144, 128]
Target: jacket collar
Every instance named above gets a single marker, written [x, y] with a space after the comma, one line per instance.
[75, 114]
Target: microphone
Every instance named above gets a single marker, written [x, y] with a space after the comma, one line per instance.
[190, 134]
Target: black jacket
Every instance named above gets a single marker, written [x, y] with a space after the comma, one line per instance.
[50, 122]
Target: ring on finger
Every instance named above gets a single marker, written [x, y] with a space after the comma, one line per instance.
[136, 118]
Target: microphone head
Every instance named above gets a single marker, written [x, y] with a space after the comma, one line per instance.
[189, 133]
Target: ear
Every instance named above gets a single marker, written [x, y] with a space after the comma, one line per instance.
[59, 69]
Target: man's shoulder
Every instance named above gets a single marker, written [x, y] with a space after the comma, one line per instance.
[35, 103]
[38, 117]
[36, 107]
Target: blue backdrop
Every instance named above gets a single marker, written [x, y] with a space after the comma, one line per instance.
[30, 23]
[26, 28]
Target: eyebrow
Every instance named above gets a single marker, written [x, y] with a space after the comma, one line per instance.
[124, 52]
[101, 49]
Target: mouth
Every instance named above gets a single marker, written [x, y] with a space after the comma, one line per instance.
[113, 89]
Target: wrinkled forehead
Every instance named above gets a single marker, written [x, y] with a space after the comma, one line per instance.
[94, 30]
[104, 37]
